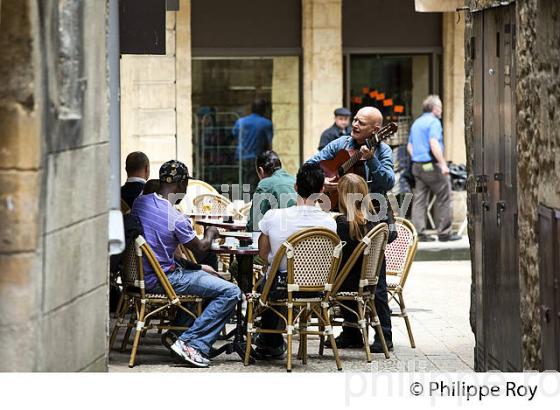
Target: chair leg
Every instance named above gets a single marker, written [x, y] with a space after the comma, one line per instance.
[321, 339]
[126, 337]
[119, 313]
[300, 346]
[303, 336]
[363, 328]
[249, 334]
[406, 320]
[378, 330]
[137, 336]
[328, 326]
[289, 329]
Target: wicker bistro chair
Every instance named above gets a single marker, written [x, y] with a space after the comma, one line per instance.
[146, 306]
[371, 247]
[218, 205]
[399, 255]
[195, 188]
[313, 257]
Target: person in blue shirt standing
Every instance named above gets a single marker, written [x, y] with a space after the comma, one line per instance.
[380, 177]
[254, 136]
[429, 167]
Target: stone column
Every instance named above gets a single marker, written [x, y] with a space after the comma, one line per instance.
[322, 68]
[184, 83]
[285, 111]
[453, 88]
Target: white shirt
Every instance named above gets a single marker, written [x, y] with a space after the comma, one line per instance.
[280, 224]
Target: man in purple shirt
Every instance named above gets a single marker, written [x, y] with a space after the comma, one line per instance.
[164, 229]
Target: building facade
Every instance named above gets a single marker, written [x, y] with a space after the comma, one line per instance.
[305, 57]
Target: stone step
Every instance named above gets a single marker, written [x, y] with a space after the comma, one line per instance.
[444, 251]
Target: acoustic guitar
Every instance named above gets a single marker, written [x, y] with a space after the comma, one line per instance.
[350, 161]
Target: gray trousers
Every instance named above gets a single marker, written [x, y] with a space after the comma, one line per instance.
[431, 181]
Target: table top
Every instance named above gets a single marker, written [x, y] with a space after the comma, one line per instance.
[219, 223]
[240, 250]
[200, 215]
[236, 235]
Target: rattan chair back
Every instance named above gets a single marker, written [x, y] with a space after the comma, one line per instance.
[130, 274]
[371, 247]
[194, 189]
[313, 258]
[218, 204]
[143, 249]
[400, 253]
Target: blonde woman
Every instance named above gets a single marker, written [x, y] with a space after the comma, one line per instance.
[352, 225]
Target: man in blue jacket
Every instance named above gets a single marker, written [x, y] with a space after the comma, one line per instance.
[380, 176]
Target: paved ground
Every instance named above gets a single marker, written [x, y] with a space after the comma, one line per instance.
[437, 296]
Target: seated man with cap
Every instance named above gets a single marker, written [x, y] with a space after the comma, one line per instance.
[164, 229]
[340, 127]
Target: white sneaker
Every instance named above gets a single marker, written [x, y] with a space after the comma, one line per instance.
[189, 354]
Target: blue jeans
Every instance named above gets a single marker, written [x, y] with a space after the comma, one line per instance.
[222, 297]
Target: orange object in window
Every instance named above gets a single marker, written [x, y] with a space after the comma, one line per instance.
[380, 96]
[357, 100]
[365, 90]
[388, 102]
[399, 109]
[373, 94]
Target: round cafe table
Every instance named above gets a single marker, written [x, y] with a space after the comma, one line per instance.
[244, 256]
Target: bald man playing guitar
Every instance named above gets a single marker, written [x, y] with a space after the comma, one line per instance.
[380, 176]
[378, 161]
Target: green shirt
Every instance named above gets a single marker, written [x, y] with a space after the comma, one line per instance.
[276, 191]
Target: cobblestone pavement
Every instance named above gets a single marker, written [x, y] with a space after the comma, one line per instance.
[437, 297]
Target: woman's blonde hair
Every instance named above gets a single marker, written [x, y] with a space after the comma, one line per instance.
[354, 202]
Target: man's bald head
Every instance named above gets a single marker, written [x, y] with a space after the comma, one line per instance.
[372, 114]
[367, 121]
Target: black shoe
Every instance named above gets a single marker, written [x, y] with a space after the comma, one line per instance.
[346, 342]
[377, 348]
[448, 238]
[264, 352]
[168, 338]
[426, 238]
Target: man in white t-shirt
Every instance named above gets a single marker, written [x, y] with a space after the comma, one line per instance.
[276, 226]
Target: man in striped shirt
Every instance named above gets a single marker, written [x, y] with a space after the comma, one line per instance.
[164, 229]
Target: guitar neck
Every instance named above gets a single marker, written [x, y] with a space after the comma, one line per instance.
[371, 143]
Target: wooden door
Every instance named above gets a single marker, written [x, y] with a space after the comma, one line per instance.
[498, 328]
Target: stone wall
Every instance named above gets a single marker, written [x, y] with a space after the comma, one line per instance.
[538, 143]
[53, 186]
[538, 147]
